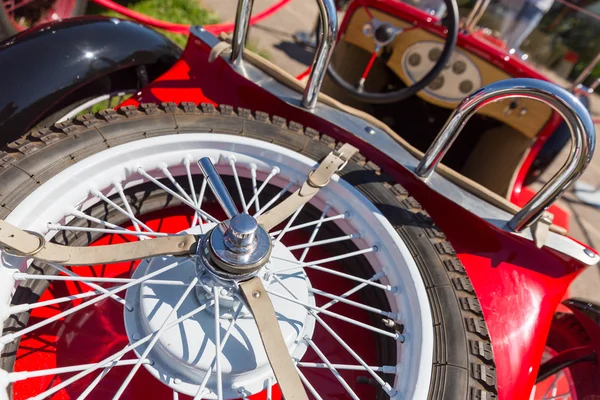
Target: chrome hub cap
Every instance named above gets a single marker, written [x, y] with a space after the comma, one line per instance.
[184, 355]
[230, 252]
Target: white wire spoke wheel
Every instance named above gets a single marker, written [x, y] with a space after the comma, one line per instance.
[358, 278]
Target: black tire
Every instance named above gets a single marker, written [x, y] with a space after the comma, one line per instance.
[7, 28]
[463, 366]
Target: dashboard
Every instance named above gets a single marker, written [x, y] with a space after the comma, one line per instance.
[415, 51]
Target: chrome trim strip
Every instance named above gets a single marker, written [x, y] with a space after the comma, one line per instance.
[379, 139]
[329, 25]
[577, 117]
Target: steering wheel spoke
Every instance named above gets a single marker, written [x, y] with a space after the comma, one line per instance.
[363, 78]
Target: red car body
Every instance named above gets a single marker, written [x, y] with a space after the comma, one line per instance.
[519, 285]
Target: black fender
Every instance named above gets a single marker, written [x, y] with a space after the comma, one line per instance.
[53, 65]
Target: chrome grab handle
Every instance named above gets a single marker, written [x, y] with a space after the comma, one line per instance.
[240, 31]
[329, 27]
[577, 117]
[475, 15]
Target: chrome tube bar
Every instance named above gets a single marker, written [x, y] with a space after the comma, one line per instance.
[240, 32]
[326, 43]
[218, 187]
[577, 117]
[475, 15]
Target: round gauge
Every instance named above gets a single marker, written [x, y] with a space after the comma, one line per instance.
[459, 78]
[466, 86]
[414, 59]
[459, 67]
[434, 54]
[437, 83]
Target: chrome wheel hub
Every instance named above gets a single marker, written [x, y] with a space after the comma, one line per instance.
[186, 353]
[235, 249]
[229, 253]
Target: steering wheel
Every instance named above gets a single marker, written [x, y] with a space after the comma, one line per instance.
[384, 33]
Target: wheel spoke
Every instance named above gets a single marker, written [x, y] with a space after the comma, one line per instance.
[48, 303]
[232, 324]
[72, 274]
[218, 344]
[312, 223]
[313, 265]
[197, 216]
[177, 195]
[119, 188]
[384, 385]
[270, 389]
[308, 385]
[97, 380]
[171, 179]
[118, 355]
[157, 336]
[275, 198]
[289, 224]
[308, 245]
[253, 168]
[21, 276]
[187, 163]
[121, 230]
[22, 375]
[393, 335]
[237, 184]
[274, 171]
[315, 231]
[387, 369]
[12, 336]
[355, 289]
[331, 368]
[133, 219]
[365, 307]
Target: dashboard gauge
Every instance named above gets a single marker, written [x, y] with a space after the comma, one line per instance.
[466, 86]
[434, 54]
[460, 78]
[437, 83]
[459, 67]
[414, 59]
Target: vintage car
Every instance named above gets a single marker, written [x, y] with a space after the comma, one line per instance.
[231, 232]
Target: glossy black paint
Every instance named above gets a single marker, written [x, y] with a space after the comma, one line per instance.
[44, 68]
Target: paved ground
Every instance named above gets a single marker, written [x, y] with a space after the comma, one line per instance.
[274, 36]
